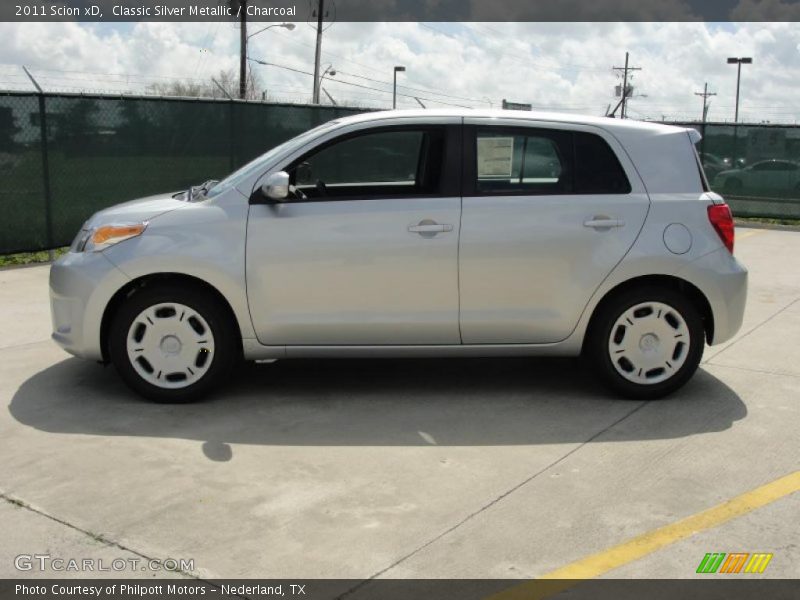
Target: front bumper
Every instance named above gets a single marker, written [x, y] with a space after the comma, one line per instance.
[81, 285]
[723, 280]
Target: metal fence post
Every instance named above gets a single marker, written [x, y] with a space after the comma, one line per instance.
[232, 136]
[48, 201]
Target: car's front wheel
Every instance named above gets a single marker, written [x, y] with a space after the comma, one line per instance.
[647, 343]
[172, 343]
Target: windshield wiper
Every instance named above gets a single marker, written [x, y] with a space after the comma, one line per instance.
[201, 189]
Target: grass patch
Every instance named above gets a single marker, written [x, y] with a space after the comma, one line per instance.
[768, 221]
[29, 258]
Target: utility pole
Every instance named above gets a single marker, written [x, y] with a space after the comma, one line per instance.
[625, 70]
[243, 49]
[706, 95]
[318, 53]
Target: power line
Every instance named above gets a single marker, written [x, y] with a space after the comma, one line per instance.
[127, 75]
[374, 69]
[358, 85]
[325, 53]
[413, 89]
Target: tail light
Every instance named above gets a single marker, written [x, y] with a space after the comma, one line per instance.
[722, 221]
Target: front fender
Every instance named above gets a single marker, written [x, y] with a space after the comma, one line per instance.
[204, 240]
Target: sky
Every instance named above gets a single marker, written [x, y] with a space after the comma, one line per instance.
[554, 66]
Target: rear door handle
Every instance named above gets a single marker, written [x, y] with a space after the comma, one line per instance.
[603, 223]
[429, 228]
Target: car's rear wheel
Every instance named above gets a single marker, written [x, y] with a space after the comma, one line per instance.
[172, 343]
[647, 343]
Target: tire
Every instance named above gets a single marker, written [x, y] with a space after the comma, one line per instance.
[637, 342]
[173, 343]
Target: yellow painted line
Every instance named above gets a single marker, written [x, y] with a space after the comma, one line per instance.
[598, 564]
[747, 234]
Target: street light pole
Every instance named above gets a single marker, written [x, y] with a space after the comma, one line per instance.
[329, 70]
[244, 40]
[288, 26]
[394, 89]
[739, 61]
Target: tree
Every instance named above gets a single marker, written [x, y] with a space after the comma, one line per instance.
[228, 80]
[75, 125]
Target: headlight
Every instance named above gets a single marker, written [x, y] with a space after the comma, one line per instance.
[100, 238]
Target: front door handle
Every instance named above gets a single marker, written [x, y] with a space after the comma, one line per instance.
[603, 222]
[429, 227]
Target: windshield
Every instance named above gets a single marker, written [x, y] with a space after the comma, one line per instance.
[260, 164]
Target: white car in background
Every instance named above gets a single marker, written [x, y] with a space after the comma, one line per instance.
[772, 177]
[417, 233]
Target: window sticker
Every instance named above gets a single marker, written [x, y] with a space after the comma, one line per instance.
[495, 156]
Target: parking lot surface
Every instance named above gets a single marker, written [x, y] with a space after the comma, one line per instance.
[416, 468]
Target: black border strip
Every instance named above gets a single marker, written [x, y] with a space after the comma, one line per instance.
[406, 10]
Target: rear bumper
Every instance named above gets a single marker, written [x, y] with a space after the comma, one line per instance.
[81, 285]
[723, 280]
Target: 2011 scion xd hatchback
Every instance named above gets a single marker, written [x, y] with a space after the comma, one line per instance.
[419, 233]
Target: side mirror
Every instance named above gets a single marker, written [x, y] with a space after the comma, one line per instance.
[276, 187]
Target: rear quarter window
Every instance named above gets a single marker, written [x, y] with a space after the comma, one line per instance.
[597, 169]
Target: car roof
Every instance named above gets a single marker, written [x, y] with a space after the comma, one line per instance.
[618, 125]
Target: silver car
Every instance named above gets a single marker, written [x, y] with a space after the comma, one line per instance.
[416, 233]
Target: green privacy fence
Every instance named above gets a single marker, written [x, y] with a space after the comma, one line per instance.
[64, 157]
[755, 167]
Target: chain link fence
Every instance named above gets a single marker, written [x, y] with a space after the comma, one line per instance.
[66, 156]
[755, 167]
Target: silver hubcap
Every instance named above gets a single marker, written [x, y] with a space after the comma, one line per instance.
[170, 345]
[649, 343]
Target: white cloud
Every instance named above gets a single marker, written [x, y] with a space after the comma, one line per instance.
[554, 65]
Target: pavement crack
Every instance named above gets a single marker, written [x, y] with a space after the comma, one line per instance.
[25, 344]
[749, 331]
[492, 503]
[94, 536]
[751, 370]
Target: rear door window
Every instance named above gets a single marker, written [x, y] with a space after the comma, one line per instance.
[529, 161]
